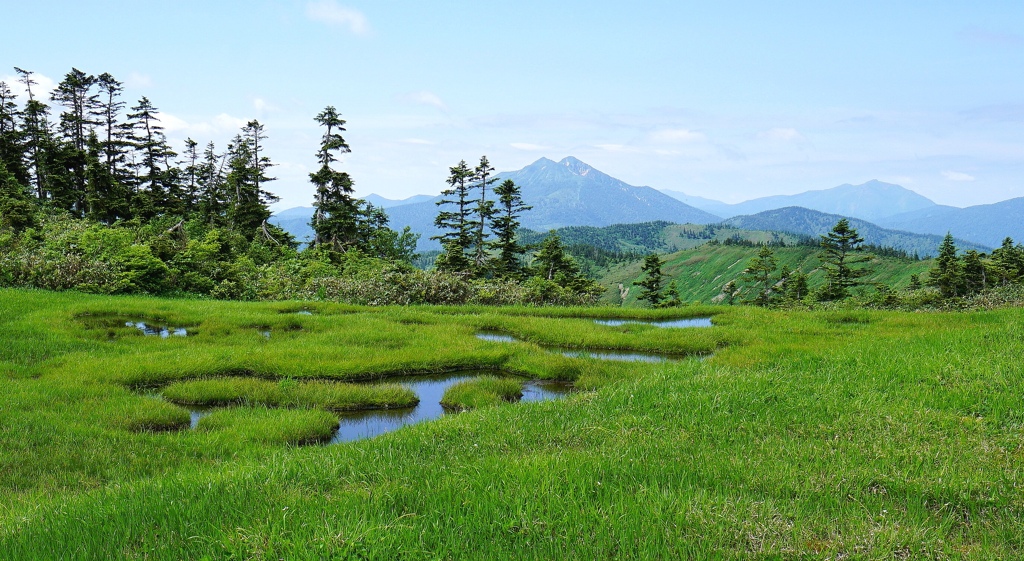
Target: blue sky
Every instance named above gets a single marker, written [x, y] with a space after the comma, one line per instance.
[726, 100]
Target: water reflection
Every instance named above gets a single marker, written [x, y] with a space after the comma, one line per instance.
[677, 323]
[162, 331]
[626, 356]
[430, 389]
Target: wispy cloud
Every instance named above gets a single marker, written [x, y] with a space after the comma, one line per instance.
[219, 124]
[137, 80]
[41, 90]
[676, 136]
[424, 97]
[780, 134]
[331, 13]
[957, 176]
[528, 147]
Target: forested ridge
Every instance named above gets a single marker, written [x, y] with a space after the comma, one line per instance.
[93, 197]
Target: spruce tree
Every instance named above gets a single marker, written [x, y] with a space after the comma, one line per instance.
[249, 204]
[975, 275]
[484, 211]
[151, 197]
[760, 273]
[37, 133]
[68, 182]
[947, 275]
[651, 281]
[505, 224]
[673, 299]
[212, 185]
[456, 225]
[1008, 262]
[335, 220]
[12, 142]
[839, 257]
[796, 288]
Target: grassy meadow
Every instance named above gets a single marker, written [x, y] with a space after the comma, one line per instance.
[819, 435]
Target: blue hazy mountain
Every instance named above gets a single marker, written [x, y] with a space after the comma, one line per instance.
[808, 222]
[870, 201]
[983, 224]
[379, 201]
[567, 193]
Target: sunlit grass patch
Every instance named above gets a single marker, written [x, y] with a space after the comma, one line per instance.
[149, 414]
[270, 426]
[289, 392]
[483, 391]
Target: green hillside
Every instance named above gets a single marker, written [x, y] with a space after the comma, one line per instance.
[701, 272]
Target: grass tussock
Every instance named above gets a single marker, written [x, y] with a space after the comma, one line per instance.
[289, 393]
[483, 391]
[832, 434]
[270, 426]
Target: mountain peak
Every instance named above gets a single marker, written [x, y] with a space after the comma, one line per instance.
[576, 166]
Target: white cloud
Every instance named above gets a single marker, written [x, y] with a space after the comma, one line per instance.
[957, 176]
[677, 135]
[425, 98]
[220, 123]
[783, 134]
[41, 90]
[529, 147]
[138, 80]
[262, 105]
[331, 13]
[616, 148]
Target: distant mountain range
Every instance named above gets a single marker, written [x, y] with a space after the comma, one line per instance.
[808, 222]
[572, 193]
[869, 201]
[564, 193]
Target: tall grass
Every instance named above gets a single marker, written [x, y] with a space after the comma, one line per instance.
[817, 435]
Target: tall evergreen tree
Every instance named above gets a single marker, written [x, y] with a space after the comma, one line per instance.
[651, 281]
[483, 212]
[760, 273]
[975, 274]
[37, 133]
[115, 135]
[106, 198]
[335, 220]
[12, 144]
[1007, 262]
[191, 172]
[152, 197]
[212, 187]
[456, 225]
[947, 275]
[505, 224]
[840, 257]
[76, 121]
[249, 207]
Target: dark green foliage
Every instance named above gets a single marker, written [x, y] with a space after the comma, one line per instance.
[840, 256]
[796, 286]
[915, 283]
[483, 212]
[947, 275]
[505, 225]
[651, 281]
[672, 299]
[760, 274]
[457, 224]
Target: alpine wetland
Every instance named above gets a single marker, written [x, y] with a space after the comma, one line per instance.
[295, 313]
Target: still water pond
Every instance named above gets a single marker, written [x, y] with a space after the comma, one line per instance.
[430, 389]
[357, 425]
[153, 330]
[669, 323]
[626, 356]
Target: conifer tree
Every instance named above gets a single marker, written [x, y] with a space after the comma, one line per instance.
[505, 224]
[249, 204]
[1008, 262]
[212, 186]
[37, 133]
[651, 281]
[947, 275]
[456, 225]
[760, 273]
[12, 146]
[483, 211]
[796, 288]
[915, 283]
[335, 220]
[975, 275]
[839, 258]
[191, 172]
[151, 198]
[673, 299]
